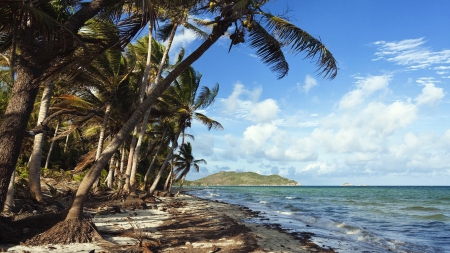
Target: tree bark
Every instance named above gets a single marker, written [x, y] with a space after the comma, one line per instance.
[34, 64]
[34, 178]
[166, 185]
[150, 167]
[137, 151]
[110, 177]
[166, 162]
[101, 138]
[76, 210]
[126, 186]
[9, 203]
[47, 161]
[14, 125]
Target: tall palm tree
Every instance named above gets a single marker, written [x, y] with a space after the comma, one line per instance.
[185, 161]
[36, 155]
[269, 44]
[47, 36]
[185, 100]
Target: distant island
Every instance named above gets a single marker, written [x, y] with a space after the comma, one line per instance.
[232, 178]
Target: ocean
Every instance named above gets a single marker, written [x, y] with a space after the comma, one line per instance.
[351, 219]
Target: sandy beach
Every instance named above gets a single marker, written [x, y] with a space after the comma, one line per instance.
[182, 224]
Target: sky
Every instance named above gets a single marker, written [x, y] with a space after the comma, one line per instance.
[384, 120]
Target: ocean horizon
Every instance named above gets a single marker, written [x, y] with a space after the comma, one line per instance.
[350, 218]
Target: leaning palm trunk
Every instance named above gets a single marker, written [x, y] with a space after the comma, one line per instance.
[150, 167]
[145, 77]
[14, 124]
[166, 162]
[34, 179]
[126, 186]
[137, 151]
[76, 210]
[120, 180]
[9, 202]
[47, 161]
[166, 185]
[110, 177]
[101, 138]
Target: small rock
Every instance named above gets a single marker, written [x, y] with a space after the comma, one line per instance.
[187, 243]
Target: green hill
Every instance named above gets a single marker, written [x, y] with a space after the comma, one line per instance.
[233, 178]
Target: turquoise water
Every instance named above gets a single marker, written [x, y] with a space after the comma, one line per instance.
[352, 219]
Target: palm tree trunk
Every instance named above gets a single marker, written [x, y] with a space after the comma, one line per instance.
[51, 147]
[110, 177]
[144, 87]
[34, 179]
[137, 151]
[14, 124]
[166, 185]
[76, 210]
[9, 203]
[122, 164]
[166, 162]
[150, 167]
[101, 138]
[126, 186]
[67, 142]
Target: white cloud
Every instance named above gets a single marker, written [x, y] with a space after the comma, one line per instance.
[310, 82]
[264, 111]
[430, 95]
[317, 167]
[183, 39]
[256, 137]
[411, 53]
[364, 88]
[234, 104]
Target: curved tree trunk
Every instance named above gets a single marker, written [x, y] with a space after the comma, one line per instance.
[150, 167]
[51, 147]
[164, 166]
[14, 124]
[9, 203]
[110, 177]
[144, 84]
[76, 210]
[126, 186]
[137, 151]
[34, 179]
[101, 138]
[120, 178]
[166, 185]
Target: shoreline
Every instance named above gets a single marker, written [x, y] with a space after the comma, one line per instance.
[185, 224]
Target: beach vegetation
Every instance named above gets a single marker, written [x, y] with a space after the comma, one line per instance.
[102, 92]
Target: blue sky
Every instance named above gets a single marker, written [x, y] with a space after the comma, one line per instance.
[384, 120]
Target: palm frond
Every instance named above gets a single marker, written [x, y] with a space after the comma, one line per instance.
[300, 41]
[85, 161]
[268, 49]
[199, 33]
[210, 123]
[206, 97]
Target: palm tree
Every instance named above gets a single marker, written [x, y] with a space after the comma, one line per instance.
[47, 35]
[34, 180]
[269, 44]
[185, 161]
[183, 98]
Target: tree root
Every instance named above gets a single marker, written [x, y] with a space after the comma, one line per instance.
[67, 231]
